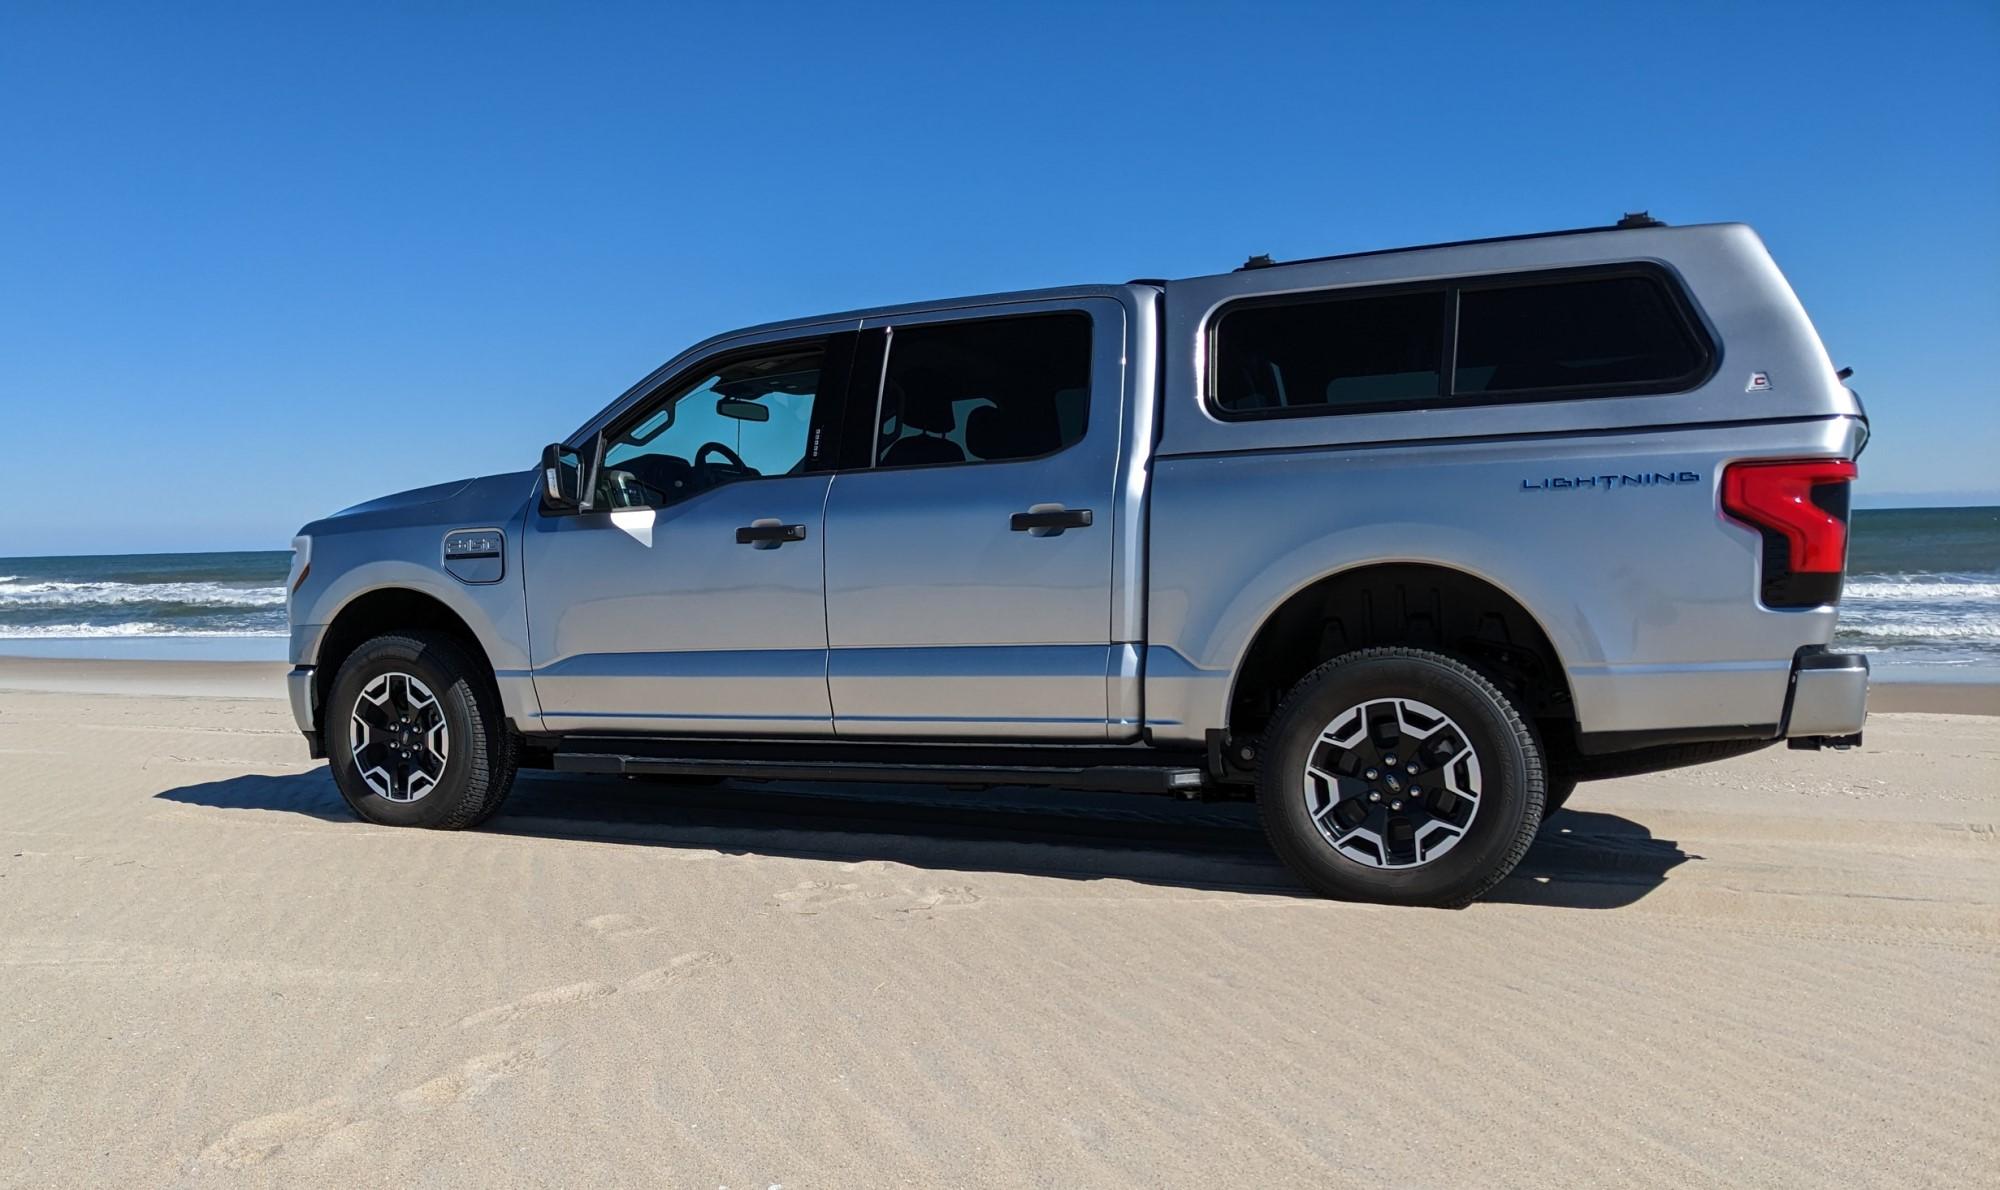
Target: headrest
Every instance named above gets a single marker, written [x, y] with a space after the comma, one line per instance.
[926, 404]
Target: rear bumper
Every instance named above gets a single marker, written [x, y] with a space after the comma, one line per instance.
[300, 689]
[1822, 702]
[1828, 700]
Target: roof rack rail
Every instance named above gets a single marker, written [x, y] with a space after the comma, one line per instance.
[1631, 220]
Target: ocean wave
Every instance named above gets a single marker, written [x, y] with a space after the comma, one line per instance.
[1910, 652]
[1935, 617]
[140, 628]
[14, 593]
[1928, 588]
[1917, 628]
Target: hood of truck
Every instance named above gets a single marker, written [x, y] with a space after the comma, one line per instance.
[485, 499]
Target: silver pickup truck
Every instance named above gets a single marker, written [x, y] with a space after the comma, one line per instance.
[1401, 544]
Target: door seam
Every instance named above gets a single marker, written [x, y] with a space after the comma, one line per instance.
[825, 613]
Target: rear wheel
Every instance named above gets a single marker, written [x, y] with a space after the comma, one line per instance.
[1400, 776]
[415, 736]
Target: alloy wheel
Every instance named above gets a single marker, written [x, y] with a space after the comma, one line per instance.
[1392, 783]
[399, 738]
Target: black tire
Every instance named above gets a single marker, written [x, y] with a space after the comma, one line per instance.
[1560, 786]
[479, 766]
[1509, 809]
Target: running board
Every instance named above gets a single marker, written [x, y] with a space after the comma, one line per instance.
[1185, 782]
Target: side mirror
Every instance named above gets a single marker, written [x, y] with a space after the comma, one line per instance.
[736, 409]
[563, 480]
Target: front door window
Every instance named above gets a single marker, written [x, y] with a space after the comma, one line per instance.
[748, 418]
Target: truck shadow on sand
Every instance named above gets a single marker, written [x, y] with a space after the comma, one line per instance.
[1583, 860]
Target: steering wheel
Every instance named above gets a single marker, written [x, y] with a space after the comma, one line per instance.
[735, 460]
[622, 489]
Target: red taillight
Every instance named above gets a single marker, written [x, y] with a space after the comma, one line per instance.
[1788, 499]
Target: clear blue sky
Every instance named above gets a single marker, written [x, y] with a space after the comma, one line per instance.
[259, 262]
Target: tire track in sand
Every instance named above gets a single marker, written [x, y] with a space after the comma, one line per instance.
[677, 969]
[345, 1119]
[331, 1120]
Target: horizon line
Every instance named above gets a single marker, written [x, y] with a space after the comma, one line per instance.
[1870, 505]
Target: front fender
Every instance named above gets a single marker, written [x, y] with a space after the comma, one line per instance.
[501, 644]
[348, 566]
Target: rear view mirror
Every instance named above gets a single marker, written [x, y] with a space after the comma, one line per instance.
[563, 487]
[737, 410]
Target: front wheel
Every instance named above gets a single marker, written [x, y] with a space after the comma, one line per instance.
[415, 736]
[1560, 786]
[1400, 776]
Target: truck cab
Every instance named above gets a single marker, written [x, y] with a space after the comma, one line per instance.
[1530, 511]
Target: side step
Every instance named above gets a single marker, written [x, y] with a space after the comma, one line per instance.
[1179, 781]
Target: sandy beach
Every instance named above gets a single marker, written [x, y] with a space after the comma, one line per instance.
[1783, 970]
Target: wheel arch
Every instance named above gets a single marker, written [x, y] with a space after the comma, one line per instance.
[1421, 603]
[380, 610]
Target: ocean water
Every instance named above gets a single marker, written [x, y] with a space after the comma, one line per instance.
[1923, 588]
[178, 606]
[1923, 596]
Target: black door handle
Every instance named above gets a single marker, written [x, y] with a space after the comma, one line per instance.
[769, 535]
[1053, 519]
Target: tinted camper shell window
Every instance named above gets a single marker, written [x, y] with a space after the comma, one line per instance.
[1628, 330]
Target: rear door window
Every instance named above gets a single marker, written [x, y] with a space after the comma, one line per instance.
[984, 391]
